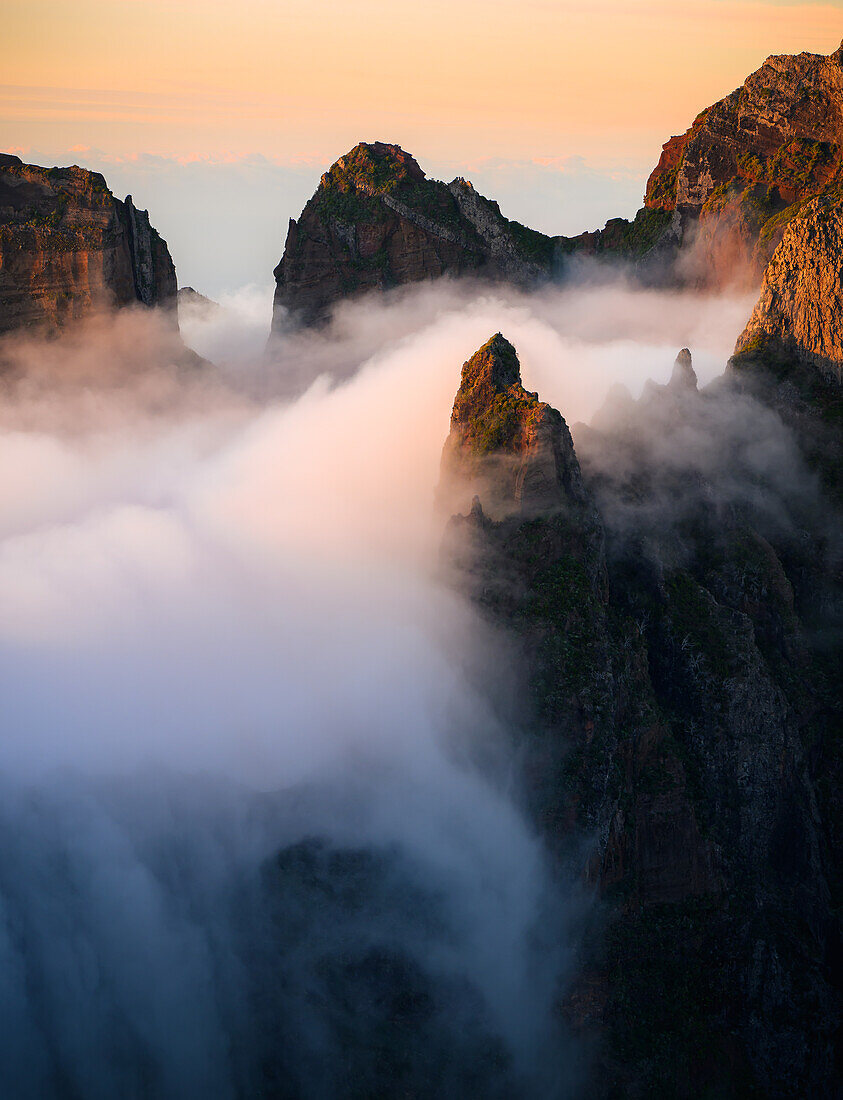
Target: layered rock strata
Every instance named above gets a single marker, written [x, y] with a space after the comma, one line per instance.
[748, 163]
[68, 246]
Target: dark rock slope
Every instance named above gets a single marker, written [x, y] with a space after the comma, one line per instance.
[68, 246]
[376, 221]
[673, 603]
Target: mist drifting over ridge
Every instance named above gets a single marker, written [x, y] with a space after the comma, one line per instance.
[224, 636]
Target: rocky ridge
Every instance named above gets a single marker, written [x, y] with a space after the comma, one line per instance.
[68, 246]
[678, 707]
[715, 208]
[748, 164]
[376, 221]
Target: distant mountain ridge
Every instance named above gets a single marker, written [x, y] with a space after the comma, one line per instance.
[716, 205]
[191, 298]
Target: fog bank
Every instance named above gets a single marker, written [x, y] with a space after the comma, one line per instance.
[263, 820]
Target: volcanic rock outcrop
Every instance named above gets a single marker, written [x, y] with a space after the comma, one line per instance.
[376, 222]
[678, 707]
[715, 208]
[799, 316]
[68, 246]
[747, 164]
[505, 446]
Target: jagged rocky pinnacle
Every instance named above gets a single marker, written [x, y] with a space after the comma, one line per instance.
[505, 446]
[684, 376]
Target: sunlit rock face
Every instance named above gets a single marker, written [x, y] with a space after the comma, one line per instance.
[68, 246]
[505, 446]
[800, 312]
[739, 173]
[377, 222]
[716, 205]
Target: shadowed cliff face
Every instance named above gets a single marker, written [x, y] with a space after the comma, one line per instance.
[67, 246]
[530, 552]
[375, 221]
[677, 699]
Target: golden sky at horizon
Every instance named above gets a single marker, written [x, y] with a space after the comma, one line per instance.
[225, 112]
[303, 80]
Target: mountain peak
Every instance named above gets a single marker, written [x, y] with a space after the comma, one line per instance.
[373, 168]
[495, 364]
[376, 221]
[747, 162]
[684, 376]
[506, 447]
[491, 405]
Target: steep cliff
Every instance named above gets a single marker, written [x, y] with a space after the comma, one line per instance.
[716, 204]
[67, 246]
[530, 550]
[799, 315]
[679, 707]
[747, 163]
[376, 221]
[505, 445]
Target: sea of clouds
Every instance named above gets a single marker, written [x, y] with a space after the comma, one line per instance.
[225, 634]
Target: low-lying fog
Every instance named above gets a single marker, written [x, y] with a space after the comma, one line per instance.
[261, 821]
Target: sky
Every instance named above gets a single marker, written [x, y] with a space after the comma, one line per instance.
[219, 117]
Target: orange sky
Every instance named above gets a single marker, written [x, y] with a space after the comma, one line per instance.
[485, 77]
[467, 85]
